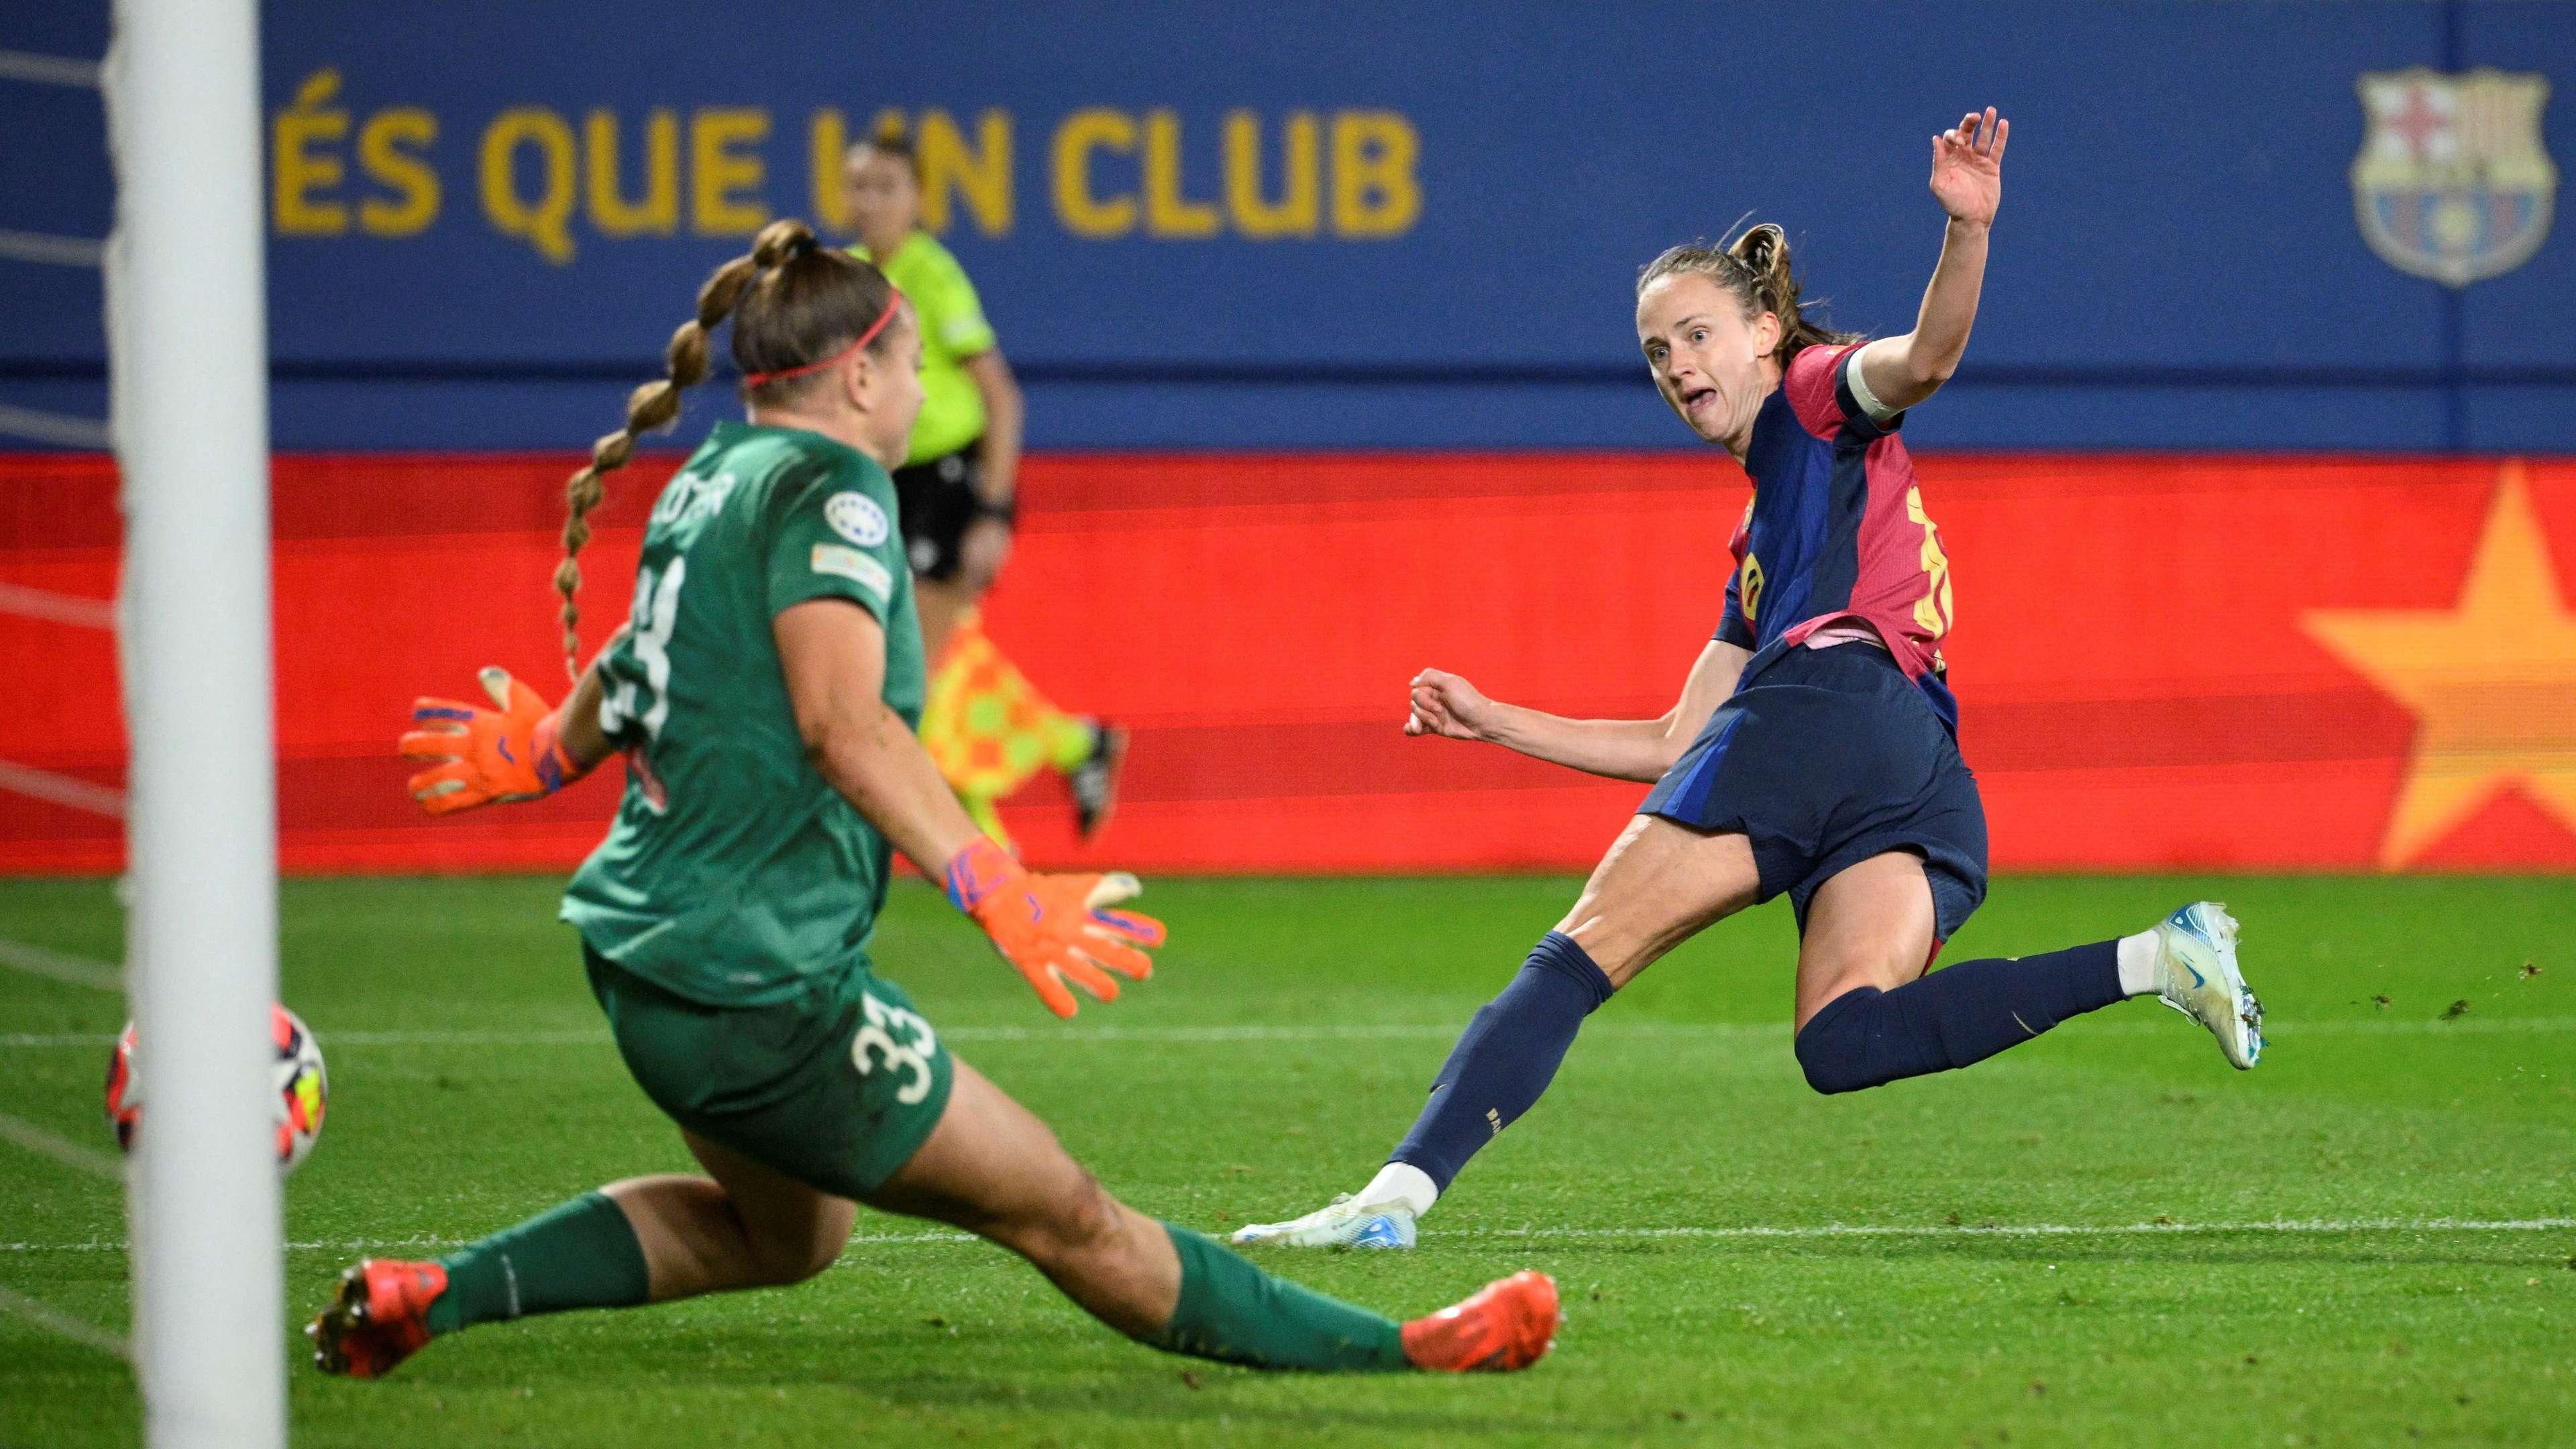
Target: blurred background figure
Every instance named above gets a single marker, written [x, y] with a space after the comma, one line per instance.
[988, 727]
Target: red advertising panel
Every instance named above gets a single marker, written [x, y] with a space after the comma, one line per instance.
[2163, 661]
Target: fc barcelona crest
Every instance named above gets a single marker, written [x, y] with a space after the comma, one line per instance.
[2453, 181]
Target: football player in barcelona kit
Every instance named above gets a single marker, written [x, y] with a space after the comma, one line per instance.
[1813, 752]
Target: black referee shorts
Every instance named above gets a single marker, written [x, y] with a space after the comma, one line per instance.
[937, 498]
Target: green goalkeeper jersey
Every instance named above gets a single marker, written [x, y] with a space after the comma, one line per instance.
[735, 875]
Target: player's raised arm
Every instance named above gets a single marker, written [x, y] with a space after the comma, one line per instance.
[1967, 179]
[1446, 705]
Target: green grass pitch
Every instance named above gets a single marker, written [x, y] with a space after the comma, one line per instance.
[2105, 1236]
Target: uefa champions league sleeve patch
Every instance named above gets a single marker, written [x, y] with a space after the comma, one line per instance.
[856, 517]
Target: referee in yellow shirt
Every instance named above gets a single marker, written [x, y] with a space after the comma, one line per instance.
[986, 725]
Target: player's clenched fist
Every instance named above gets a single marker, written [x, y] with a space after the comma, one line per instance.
[1054, 928]
[1445, 705]
[512, 751]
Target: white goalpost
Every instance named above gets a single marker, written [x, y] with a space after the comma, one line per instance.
[188, 380]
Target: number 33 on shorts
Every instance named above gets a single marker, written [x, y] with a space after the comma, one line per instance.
[877, 1045]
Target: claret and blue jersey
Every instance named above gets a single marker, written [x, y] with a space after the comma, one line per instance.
[1825, 755]
[1835, 536]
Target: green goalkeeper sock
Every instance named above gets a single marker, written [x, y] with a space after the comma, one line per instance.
[583, 1254]
[1233, 1312]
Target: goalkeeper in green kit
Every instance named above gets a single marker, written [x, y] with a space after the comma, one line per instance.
[764, 694]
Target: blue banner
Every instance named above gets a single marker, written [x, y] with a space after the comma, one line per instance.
[1340, 224]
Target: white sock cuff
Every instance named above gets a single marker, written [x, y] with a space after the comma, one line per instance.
[2138, 964]
[1401, 1182]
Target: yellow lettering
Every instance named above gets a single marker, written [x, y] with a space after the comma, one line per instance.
[1375, 191]
[538, 221]
[720, 172]
[658, 214]
[1084, 212]
[1295, 212]
[1748, 594]
[1167, 212]
[405, 173]
[829, 131]
[982, 179]
[1931, 612]
[298, 172]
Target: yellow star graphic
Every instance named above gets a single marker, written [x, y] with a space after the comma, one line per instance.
[2492, 682]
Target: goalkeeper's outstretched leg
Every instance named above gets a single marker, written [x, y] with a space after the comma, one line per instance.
[990, 1167]
[993, 1169]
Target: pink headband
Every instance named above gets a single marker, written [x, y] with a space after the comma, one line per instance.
[894, 301]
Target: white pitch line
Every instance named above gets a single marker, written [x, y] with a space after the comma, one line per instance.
[581, 1037]
[78, 1330]
[1225, 1035]
[48, 70]
[2304, 1227]
[2050, 1230]
[61, 789]
[36, 1139]
[366, 1245]
[1180, 1035]
[61, 429]
[71, 970]
[47, 605]
[1780, 1029]
[49, 249]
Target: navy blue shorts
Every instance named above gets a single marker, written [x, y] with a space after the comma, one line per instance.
[1824, 758]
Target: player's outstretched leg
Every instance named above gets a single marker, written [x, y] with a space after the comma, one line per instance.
[643, 1240]
[1502, 1063]
[583, 1254]
[1867, 1013]
[995, 1170]
[2193, 970]
[1659, 884]
[1868, 1016]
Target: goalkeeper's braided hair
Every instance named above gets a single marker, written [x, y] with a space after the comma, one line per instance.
[792, 303]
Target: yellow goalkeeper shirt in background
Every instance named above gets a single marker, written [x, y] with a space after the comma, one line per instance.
[953, 329]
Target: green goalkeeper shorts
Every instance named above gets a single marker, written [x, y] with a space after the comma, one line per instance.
[836, 1087]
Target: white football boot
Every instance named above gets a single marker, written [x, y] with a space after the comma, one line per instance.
[2196, 975]
[1348, 1223]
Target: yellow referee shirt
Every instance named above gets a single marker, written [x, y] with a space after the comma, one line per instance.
[953, 329]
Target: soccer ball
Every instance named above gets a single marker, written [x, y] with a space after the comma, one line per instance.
[302, 1088]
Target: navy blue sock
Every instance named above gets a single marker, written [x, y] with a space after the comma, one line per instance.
[1952, 1017]
[1505, 1058]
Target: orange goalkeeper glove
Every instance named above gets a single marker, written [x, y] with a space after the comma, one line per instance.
[513, 751]
[1054, 928]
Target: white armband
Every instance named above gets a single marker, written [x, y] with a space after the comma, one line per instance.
[1879, 412]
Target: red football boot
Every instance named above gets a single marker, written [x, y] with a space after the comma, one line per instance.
[1510, 1325]
[379, 1317]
